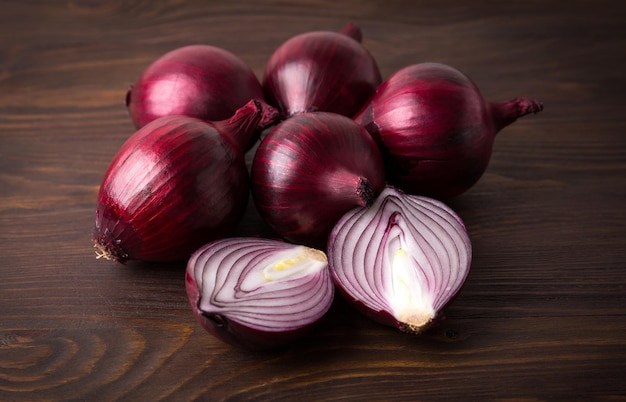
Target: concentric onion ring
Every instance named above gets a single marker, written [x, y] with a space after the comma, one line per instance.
[258, 293]
[401, 260]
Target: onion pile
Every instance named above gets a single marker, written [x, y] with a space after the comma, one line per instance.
[349, 172]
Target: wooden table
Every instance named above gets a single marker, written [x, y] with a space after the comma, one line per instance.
[541, 317]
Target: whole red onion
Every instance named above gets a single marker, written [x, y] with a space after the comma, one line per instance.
[435, 129]
[401, 260]
[175, 184]
[311, 169]
[200, 81]
[258, 293]
[321, 71]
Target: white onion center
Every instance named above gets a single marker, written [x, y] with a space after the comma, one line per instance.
[410, 302]
[290, 263]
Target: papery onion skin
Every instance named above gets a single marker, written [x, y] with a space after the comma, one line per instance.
[364, 245]
[321, 71]
[174, 185]
[202, 81]
[435, 128]
[311, 169]
[255, 318]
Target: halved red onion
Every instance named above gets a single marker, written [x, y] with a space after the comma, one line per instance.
[401, 260]
[310, 170]
[258, 293]
[321, 71]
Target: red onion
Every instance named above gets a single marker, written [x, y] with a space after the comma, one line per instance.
[435, 129]
[310, 170]
[321, 71]
[174, 185]
[200, 81]
[258, 293]
[401, 260]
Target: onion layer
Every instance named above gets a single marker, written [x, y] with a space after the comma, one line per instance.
[258, 293]
[311, 169]
[401, 260]
[321, 71]
[435, 129]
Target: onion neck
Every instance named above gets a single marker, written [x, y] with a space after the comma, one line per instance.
[365, 119]
[365, 192]
[129, 94]
[357, 189]
[505, 113]
[353, 31]
[241, 129]
[269, 115]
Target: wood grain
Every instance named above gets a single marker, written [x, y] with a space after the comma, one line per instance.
[541, 317]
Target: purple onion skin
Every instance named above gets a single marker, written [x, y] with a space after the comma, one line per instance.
[435, 129]
[174, 185]
[321, 71]
[200, 81]
[233, 333]
[311, 169]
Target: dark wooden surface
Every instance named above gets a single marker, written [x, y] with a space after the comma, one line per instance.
[541, 317]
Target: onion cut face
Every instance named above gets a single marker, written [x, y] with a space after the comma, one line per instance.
[401, 260]
[258, 293]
